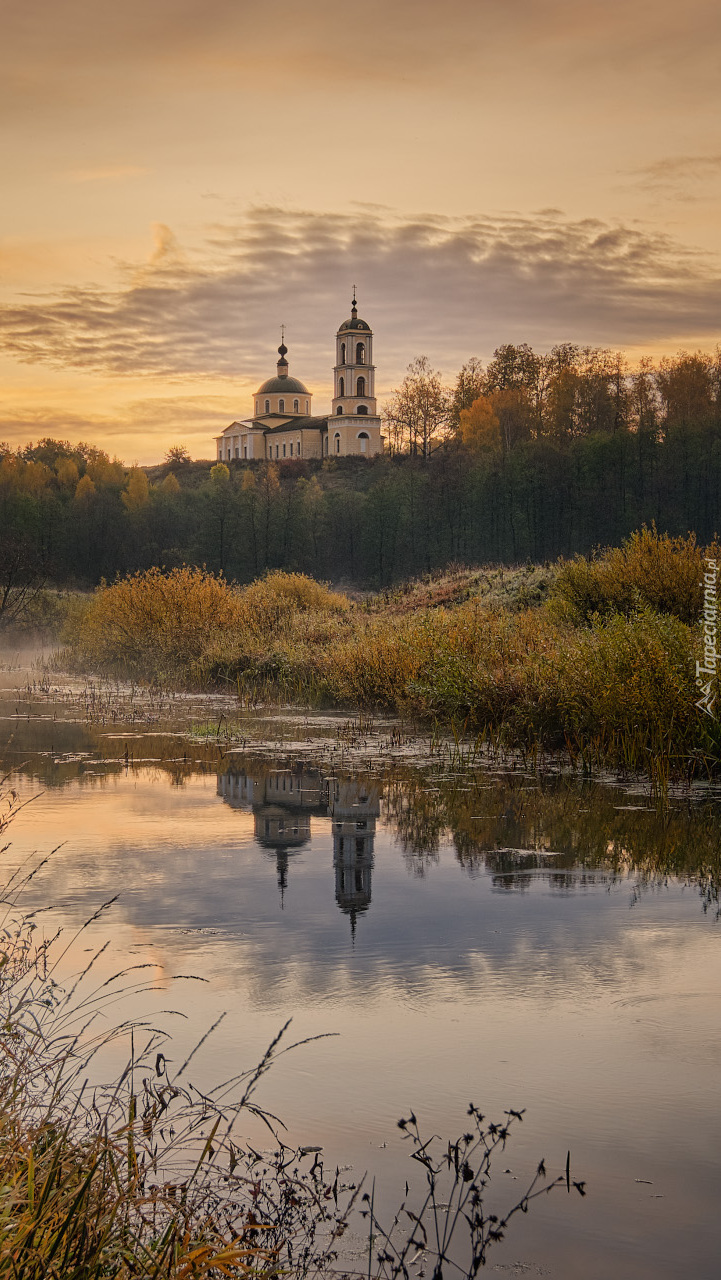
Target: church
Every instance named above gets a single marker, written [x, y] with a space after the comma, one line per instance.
[283, 424]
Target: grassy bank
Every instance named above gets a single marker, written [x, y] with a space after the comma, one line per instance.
[594, 657]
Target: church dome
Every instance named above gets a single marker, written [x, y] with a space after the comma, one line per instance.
[354, 324]
[282, 384]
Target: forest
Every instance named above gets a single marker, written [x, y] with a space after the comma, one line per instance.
[528, 458]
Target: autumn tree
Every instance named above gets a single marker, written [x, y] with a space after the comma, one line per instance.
[479, 426]
[418, 411]
[470, 384]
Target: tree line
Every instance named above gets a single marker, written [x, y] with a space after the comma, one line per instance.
[528, 458]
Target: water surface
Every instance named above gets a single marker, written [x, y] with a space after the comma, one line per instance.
[461, 934]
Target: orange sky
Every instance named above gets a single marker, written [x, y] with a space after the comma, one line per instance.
[181, 177]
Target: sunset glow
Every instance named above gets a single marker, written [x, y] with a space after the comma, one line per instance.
[183, 178]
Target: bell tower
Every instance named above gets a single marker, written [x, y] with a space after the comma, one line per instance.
[354, 372]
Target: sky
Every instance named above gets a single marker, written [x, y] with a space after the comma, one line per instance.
[181, 177]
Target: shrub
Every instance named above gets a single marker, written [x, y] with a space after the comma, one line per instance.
[155, 623]
[649, 570]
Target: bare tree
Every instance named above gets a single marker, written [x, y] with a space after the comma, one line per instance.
[418, 412]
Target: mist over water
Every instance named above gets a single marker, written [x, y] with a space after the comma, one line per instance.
[460, 934]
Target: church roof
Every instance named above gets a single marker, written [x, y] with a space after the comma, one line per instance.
[298, 424]
[282, 384]
[353, 323]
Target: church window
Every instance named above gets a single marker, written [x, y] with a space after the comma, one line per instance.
[257, 406]
[363, 438]
[281, 406]
[337, 442]
[342, 352]
[291, 448]
[341, 386]
[245, 451]
[361, 387]
[360, 353]
[306, 407]
[277, 451]
[296, 406]
[267, 406]
[284, 456]
[339, 409]
[298, 450]
[362, 408]
[237, 451]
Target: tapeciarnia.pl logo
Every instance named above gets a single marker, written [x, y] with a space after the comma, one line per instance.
[706, 670]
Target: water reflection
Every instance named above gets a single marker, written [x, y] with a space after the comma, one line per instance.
[495, 953]
[282, 802]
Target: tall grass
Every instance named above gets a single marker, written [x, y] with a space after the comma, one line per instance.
[602, 670]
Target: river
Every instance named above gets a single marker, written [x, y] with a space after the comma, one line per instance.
[456, 930]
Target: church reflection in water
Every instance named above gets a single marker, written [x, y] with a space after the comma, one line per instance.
[284, 801]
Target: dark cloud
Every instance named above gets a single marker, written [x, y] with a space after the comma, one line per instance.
[47, 42]
[448, 287]
[678, 171]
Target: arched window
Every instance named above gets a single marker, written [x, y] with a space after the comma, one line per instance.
[257, 406]
[267, 406]
[341, 386]
[339, 410]
[360, 387]
[306, 407]
[281, 406]
[360, 353]
[296, 406]
[337, 442]
[363, 437]
[342, 352]
[362, 408]
[298, 449]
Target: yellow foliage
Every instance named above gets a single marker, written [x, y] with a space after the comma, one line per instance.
[156, 621]
[85, 490]
[67, 472]
[170, 484]
[104, 473]
[480, 428]
[137, 490]
[220, 474]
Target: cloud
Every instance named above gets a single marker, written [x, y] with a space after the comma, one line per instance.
[446, 286]
[674, 173]
[59, 53]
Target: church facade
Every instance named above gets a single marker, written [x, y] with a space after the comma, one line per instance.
[283, 424]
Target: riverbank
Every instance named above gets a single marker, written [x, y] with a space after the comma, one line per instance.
[593, 658]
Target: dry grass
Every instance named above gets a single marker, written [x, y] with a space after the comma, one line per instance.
[603, 670]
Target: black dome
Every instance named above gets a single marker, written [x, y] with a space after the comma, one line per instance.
[355, 324]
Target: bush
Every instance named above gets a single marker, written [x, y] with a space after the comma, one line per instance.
[155, 623]
[649, 570]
